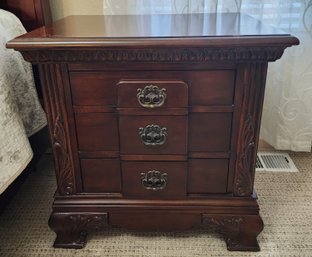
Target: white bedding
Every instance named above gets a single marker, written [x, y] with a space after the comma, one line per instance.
[21, 114]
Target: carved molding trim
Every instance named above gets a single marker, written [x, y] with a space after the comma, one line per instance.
[87, 222]
[56, 113]
[264, 54]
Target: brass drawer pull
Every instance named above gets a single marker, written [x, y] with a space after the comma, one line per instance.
[153, 135]
[151, 96]
[154, 180]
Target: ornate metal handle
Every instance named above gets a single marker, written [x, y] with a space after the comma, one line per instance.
[151, 96]
[153, 135]
[154, 180]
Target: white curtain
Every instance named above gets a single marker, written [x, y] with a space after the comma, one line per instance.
[287, 113]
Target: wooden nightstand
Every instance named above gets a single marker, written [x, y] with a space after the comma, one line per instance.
[155, 121]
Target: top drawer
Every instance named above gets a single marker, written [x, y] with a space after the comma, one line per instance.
[152, 94]
[183, 88]
[93, 88]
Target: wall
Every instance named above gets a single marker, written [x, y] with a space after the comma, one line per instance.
[63, 8]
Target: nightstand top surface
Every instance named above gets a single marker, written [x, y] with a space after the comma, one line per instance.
[209, 29]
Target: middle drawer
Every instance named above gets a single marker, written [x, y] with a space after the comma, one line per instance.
[153, 134]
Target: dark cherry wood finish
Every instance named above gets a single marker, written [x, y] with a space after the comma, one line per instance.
[207, 175]
[92, 170]
[155, 127]
[32, 13]
[131, 142]
[175, 179]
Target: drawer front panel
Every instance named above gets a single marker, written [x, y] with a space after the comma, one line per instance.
[97, 132]
[154, 179]
[210, 132]
[153, 134]
[101, 175]
[207, 87]
[152, 94]
[208, 176]
[93, 88]
[212, 87]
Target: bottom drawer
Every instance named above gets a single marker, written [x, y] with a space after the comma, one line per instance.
[100, 175]
[154, 179]
[208, 176]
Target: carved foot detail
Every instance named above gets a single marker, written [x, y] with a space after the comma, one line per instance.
[240, 232]
[72, 228]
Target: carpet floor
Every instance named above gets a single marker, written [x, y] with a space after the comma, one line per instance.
[284, 198]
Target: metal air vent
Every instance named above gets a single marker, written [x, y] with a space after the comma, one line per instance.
[275, 162]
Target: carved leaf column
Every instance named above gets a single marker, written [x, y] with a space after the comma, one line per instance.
[253, 94]
[55, 107]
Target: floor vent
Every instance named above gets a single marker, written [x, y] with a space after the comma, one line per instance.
[275, 162]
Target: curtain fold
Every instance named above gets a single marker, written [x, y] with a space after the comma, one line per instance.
[287, 114]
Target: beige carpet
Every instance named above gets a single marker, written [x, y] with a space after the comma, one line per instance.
[286, 208]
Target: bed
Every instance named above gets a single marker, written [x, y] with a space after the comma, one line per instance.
[22, 118]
